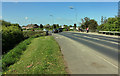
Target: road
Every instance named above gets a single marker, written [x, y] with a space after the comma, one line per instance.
[89, 53]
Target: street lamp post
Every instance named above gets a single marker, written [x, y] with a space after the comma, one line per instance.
[52, 18]
[71, 7]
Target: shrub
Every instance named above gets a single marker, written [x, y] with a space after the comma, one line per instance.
[13, 55]
[11, 36]
[28, 34]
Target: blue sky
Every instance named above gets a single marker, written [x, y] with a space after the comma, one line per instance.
[60, 0]
[39, 12]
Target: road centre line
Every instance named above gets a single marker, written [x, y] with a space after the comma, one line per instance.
[98, 44]
[98, 39]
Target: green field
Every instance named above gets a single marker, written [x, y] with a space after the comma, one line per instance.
[42, 56]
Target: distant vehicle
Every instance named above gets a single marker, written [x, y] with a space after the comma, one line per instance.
[59, 30]
[55, 31]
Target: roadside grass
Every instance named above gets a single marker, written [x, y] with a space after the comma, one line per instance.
[14, 55]
[43, 56]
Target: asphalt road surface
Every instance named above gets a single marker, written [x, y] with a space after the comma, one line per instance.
[89, 53]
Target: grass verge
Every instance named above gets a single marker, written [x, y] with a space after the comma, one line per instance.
[42, 56]
[14, 55]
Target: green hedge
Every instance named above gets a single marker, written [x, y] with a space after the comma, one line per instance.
[11, 36]
[28, 34]
[13, 55]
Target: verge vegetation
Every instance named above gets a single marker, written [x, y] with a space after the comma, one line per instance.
[42, 56]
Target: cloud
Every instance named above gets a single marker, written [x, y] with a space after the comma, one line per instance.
[0, 17]
[26, 18]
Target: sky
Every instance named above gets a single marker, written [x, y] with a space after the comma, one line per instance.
[60, 0]
[56, 12]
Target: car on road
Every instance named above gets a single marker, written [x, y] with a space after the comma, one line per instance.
[59, 29]
[55, 31]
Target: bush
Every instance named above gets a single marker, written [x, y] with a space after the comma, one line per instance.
[71, 29]
[28, 34]
[13, 55]
[11, 36]
[112, 24]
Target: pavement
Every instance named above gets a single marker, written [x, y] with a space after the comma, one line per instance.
[89, 53]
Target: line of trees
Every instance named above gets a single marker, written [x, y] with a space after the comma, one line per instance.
[111, 24]
[55, 26]
[47, 26]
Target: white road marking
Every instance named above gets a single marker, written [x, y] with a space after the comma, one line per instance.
[103, 58]
[97, 44]
[98, 39]
[99, 34]
[107, 61]
[100, 56]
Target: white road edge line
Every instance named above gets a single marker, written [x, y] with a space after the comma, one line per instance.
[104, 59]
[107, 61]
[98, 39]
[97, 44]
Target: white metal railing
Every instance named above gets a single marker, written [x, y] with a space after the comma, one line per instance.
[114, 32]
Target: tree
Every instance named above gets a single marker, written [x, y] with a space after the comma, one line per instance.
[54, 26]
[105, 20]
[102, 20]
[112, 24]
[60, 26]
[11, 35]
[74, 26]
[83, 26]
[35, 26]
[86, 19]
[47, 26]
[118, 22]
[57, 25]
[82, 21]
[41, 26]
[93, 25]
[70, 26]
[101, 27]
[4, 23]
[85, 22]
